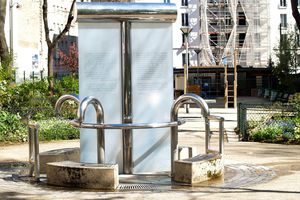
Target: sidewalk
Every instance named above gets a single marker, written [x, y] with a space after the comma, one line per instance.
[253, 171]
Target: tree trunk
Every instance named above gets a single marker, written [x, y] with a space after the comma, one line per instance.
[50, 70]
[3, 44]
[295, 12]
[52, 44]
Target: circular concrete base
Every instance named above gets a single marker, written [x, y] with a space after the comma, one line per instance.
[235, 176]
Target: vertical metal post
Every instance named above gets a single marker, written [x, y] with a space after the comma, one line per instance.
[226, 87]
[100, 137]
[30, 143]
[186, 69]
[174, 140]
[34, 155]
[126, 95]
[235, 79]
[239, 116]
[36, 152]
[221, 136]
[207, 134]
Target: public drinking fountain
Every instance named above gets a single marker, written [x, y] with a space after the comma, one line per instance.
[125, 73]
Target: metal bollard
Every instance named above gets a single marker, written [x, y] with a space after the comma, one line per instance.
[34, 156]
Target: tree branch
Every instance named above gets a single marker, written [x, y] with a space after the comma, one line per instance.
[46, 26]
[67, 26]
[295, 12]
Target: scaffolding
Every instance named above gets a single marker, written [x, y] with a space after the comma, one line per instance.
[230, 25]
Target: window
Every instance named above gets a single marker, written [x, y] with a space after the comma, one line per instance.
[183, 59]
[241, 18]
[228, 21]
[283, 20]
[184, 19]
[257, 56]
[184, 3]
[283, 3]
[242, 37]
[257, 38]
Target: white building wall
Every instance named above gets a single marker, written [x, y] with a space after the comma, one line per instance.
[275, 21]
[28, 41]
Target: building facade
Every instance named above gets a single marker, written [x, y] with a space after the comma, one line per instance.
[219, 28]
[26, 36]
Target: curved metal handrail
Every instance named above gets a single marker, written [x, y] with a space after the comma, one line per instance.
[221, 131]
[64, 98]
[100, 120]
[127, 125]
[186, 98]
[189, 97]
[183, 99]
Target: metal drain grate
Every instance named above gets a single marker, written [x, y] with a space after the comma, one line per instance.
[137, 187]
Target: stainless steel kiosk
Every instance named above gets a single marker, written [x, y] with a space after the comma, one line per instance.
[125, 62]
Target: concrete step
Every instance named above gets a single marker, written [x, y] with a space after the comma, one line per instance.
[198, 169]
[56, 155]
[74, 174]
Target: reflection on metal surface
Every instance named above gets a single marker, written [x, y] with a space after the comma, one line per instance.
[34, 152]
[158, 12]
[125, 126]
[64, 98]
[126, 95]
[100, 120]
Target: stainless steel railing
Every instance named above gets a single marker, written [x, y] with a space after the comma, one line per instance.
[100, 120]
[173, 124]
[34, 154]
[184, 99]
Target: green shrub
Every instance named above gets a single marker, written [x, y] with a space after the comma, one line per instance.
[56, 129]
[267, 134]
[32, 98]
[281, 130]
[11, 128]
[67, 85]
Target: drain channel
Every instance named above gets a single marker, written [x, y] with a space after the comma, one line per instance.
[126, 187]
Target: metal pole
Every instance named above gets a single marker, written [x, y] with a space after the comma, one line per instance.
[221, 136]
[235, 79]
[36, 153]
[126, 96]
[226, 87]
[30, 143]
[207, 133]
[186, 69]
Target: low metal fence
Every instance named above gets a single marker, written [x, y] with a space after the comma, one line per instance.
[250, 115]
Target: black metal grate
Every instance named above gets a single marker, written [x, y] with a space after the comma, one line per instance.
[132, 187]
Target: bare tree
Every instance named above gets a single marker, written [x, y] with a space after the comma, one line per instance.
[295, 12]
[51, 44]
[3, 44]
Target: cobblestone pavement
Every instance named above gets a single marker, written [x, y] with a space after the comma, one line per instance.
[252, 171]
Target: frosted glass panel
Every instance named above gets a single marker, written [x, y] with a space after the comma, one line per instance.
[100, 76]
[152, 94]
